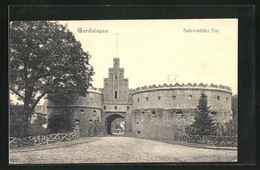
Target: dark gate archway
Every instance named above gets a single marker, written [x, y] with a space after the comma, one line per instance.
[109, 121]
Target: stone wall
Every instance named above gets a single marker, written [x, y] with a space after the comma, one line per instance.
[160, 123]
[162, 111]
[86, 111]
[165, 123]
[219, 100]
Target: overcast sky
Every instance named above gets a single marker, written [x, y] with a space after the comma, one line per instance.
[149, 50]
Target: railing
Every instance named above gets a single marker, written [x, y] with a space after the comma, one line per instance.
[208, 140]
[15, 142]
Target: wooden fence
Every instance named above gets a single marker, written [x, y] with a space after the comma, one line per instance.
[208, 140]
[15, 142]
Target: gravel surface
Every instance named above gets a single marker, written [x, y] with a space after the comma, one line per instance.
[117, 149]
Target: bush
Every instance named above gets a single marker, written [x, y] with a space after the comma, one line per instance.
[37, 129]
[60, 122]
[17, 122]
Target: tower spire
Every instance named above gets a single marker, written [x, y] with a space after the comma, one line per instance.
[116, 44]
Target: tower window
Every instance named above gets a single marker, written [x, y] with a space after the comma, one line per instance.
[173, 97]
[94, 111]
[218, 98]
[179, 111]
[105, 107]
[227, 99]
[213, 113]
[115, 107]
[82, 110]
[159, 97]
[190, 97]
[77, 121]
[147, 98]
[127, 107]
[116, 77]
[138, 99]
[115, 94]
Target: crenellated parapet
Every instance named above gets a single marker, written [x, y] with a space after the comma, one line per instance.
[189, 86]
[94, 90]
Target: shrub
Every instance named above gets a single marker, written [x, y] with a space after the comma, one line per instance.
[61, 122]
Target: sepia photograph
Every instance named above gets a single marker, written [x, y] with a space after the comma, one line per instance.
[123, 91]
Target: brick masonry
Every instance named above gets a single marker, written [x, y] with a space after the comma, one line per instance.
[149, 112]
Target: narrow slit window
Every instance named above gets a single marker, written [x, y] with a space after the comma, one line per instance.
[159, 97]
[213, 113]
[115, 94]
[147, 98]
[115, 107]
[179, 111]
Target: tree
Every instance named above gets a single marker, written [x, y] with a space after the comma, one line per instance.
[232, 124]
[15, 120]
[45, 58]
[203, 124]
[234, 108]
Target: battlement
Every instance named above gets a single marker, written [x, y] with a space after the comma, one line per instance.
[94, 90]
[195, 86]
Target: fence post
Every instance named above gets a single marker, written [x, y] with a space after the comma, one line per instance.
[59, 137]
[46, 140]
[34, 141]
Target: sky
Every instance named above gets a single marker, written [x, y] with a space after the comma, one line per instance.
[150, 50]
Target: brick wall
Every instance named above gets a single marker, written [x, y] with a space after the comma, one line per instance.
[181, 98]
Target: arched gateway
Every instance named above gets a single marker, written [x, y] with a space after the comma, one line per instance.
[115, 123]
